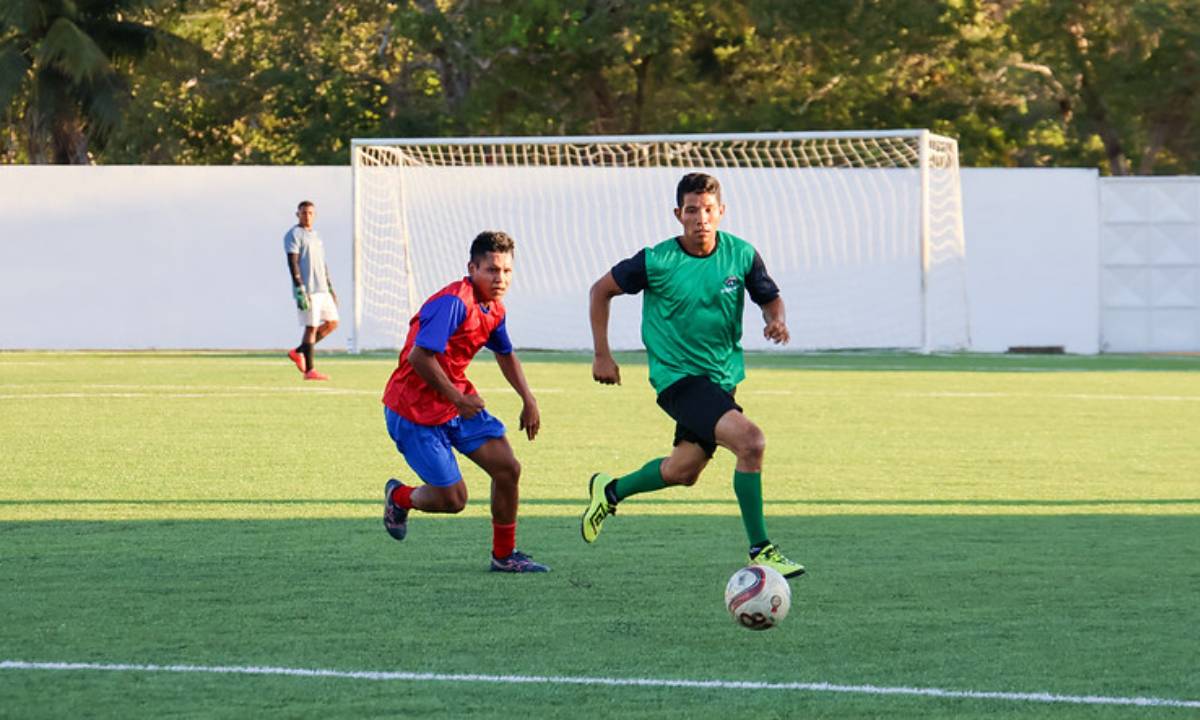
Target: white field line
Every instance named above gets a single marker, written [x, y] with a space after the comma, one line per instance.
[223, 356]
[306, 387]
[176, 395]
[195, 391]
[1056, 396]
[204, 391]
[988, 395]
[143, 390]
[972, 368]
[378, 675]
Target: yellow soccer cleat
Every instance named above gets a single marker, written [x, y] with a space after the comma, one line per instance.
[598, 508]
[769, 556]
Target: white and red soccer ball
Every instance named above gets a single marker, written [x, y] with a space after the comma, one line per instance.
[758, 597]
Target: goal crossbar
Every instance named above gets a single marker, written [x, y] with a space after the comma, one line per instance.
[641, 139]
[829, 210]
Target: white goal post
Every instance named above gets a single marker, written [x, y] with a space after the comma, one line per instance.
[862, 231]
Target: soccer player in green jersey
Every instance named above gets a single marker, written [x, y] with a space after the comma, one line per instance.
[695, 287]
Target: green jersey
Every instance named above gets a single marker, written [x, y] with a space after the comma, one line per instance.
[692, 307]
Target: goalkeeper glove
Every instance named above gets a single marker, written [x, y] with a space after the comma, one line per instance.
[301, 297]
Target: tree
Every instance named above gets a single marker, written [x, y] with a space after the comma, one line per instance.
[541, 66]
[282, 83]
[63, 68]
[1123, 77]
[874, 64]
[1104, 83]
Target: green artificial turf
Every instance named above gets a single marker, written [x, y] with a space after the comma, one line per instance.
[1009, 524]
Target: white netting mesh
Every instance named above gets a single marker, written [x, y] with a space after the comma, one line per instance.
[838, 221]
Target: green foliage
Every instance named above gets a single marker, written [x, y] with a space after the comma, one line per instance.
[1106, 83]
[66, 67]
[1124, 74]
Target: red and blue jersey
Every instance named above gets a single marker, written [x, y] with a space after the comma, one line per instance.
[455, 326]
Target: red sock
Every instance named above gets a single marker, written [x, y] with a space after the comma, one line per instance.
[504, 539]
[402, 496]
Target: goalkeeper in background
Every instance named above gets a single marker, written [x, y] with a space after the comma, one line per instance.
[431, 407]
[316, 301]
[695, 286]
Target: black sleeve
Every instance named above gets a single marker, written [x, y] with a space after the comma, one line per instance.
[630, 273]
[759, 284]
[294, 268]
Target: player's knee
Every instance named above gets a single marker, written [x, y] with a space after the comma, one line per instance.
[506, 473]
[456, 502]
[452, 500]
[673, 475]
[331, 324]
[752, 445]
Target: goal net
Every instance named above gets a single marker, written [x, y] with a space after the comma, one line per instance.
[861, 230]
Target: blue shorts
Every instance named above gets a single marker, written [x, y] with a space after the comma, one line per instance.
[427, 448]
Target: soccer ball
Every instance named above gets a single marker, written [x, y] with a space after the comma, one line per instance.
[758, 597]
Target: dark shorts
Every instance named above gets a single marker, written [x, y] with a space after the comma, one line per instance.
[696, 404]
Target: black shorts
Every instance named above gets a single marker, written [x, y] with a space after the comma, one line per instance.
[696, 404]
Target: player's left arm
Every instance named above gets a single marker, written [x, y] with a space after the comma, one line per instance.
[329, 284]
[775, 318]
[765, 293]
[500, 345]
[531, 417]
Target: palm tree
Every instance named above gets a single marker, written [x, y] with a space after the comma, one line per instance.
[61, 65]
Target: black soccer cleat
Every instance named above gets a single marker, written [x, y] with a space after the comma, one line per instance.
[395, 518]
[517, 562]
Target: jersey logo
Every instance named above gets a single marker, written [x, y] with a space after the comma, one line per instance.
[731, 285]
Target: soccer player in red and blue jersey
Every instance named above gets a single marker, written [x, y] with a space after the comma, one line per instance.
[432, 408]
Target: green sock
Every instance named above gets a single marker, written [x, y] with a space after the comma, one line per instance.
[648, 478]
[748, 488]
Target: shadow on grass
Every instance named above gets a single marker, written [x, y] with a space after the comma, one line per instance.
[940, 502]
[1092, 604]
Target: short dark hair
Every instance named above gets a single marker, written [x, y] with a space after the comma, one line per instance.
[696, 183]
[490, 241]
[303, 204]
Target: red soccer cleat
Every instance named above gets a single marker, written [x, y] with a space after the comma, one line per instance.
[298, 359]
[314, 375]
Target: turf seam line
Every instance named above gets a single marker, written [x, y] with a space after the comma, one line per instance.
[379, 675]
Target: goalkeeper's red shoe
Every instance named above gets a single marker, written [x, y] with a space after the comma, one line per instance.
[298, 359]
[314, 375]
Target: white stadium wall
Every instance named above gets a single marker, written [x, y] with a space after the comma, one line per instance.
[1031, 258]
[192, 258]
[138, 257]
[1150, 264]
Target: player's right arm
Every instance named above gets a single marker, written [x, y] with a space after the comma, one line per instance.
[626, 277]
[298, 290]
[438, 319]
[604, 367]
[424, 362]
[291, 246]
